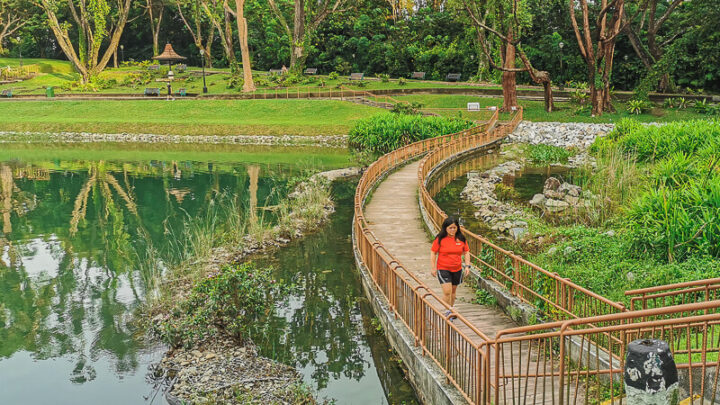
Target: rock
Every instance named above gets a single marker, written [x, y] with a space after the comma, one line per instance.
[196, 353]
[610, 233]
[552, 251]
[517, 232]
[630, 276]
[568, 250]
[565, 135]
[572, 200]
[210, 356]
[538, 200]
[555, 205]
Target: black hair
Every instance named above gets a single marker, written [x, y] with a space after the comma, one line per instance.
[443, 229]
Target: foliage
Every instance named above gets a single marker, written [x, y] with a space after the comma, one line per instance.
[638, 107]
[333, 75]
[402, 81]
[412, 108]
[505, 193]
[609, 265]
[580, 95]
[386, 132]
[235, 301]
[483, 297]
[546, 154]
[677, 215]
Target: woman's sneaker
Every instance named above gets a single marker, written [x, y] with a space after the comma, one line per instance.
[450, 315]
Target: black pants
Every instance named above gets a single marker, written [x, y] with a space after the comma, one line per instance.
[447, 276]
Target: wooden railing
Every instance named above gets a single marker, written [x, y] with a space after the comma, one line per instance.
[557, 297]
[578, 358]
[461, 355]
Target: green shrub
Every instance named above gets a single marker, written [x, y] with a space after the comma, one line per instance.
[232, 302]
[638, 107]
[333, 75]
[402, 81]
[675, 223]
[546, 154]
[655, 142]
[505, 193]
[386, 132]
[384, 77]
[407, 108]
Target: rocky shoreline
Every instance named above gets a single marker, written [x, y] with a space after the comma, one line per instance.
[218, 369]
[563, 134]
[329, 141]
[506, 218]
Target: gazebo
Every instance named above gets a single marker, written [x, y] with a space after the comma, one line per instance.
[169, 55]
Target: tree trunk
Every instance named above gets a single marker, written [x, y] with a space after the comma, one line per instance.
[115, 65]
[229, 48]
[508, 78]
[297, 56]
[248, 83]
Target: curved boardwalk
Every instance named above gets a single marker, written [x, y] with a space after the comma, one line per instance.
[394, 217]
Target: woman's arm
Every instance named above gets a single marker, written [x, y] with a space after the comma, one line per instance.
[433, 263]
[467, 263]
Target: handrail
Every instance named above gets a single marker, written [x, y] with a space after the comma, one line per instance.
[591, 332]
[524, 279]
[463, 357]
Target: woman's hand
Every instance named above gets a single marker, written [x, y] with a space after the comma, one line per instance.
[466, 270]
[433, 272]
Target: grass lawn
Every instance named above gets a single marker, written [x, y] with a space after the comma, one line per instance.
[51, 155]
[185, 117]
[56, 73]
[535, 111]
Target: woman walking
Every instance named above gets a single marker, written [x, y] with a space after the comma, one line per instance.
[446, 260]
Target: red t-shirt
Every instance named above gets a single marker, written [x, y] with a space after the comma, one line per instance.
[449, 253]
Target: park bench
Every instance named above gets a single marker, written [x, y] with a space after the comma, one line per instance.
[357, 76]
[6, 93]
[311, 71]
[278, 72]
[473, 106]
[154, 67]
[152, 91]
[452, 77]
[181, 67]
[418, 75]
[182, 92]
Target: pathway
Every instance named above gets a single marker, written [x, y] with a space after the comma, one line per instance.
[394, 217]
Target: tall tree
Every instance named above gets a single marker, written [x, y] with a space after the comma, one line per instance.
[13, 16]
[95, 21]
[307, 16]
[196, 22]
[155, 10]
[248, 83]
[220, 16]
[597, 45]
[512, 17]
[649, 26]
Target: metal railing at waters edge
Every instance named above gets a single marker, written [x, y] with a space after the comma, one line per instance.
[577, 358]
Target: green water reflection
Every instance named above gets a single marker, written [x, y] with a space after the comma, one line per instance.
[78, 228]
[324, 328]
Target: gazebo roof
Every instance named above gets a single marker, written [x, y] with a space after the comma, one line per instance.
[169, 55]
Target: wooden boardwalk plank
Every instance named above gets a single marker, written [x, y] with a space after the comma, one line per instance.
[394, 217]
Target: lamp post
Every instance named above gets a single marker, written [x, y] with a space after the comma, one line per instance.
[18, 39]
[202, 57]
[561, 85]
[122, 53]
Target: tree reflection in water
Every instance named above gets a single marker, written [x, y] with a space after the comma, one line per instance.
[320, 327]
[74, 239]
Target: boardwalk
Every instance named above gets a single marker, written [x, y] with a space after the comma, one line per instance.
[394, 217]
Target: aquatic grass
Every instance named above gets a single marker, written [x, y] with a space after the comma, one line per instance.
[614, 182]
[546, 154]
[386, 132]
